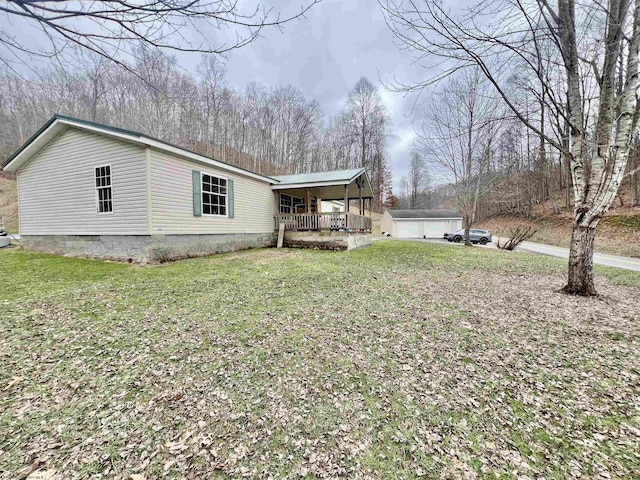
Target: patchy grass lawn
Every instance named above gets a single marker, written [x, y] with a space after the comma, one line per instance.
[401, 360]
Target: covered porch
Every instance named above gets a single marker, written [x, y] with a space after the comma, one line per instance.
[334, 221]
[299, 201]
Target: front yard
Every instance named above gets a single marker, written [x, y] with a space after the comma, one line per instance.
[401, 360]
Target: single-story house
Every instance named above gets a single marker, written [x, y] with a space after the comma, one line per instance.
[420, 223]
[95, 190]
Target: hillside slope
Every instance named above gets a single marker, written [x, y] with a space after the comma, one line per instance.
[618, 232]
[9, 203]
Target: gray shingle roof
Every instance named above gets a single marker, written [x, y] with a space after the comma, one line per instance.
[334, 176]
[424, 213]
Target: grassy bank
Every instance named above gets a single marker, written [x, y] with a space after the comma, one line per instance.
[617, 233]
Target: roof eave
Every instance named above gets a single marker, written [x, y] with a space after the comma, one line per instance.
[18, 158]
[342, 181]
[361, 170]
[285, 186]
[202, 159]
[13, 162]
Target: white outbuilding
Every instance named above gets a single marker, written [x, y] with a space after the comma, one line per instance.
[420, 223]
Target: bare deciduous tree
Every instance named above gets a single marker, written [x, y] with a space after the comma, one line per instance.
[365, 119]
[457, 138]
[516, 237]
[365, 123]
[107, 28]
[595, 45]
[418, 180]
[268, 130]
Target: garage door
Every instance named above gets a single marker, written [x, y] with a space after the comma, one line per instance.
[407, 230]
[435, 228]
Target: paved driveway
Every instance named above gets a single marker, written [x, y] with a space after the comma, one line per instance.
[627, 263]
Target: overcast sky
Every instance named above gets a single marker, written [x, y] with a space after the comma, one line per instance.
[325, 54]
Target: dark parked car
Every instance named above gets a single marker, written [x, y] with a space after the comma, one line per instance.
[477, 236]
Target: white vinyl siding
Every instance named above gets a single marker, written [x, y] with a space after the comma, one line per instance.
[172, 200]
[331, 206]
[388, 224]
[57, 188]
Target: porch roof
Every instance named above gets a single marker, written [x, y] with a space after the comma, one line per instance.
[327, 185]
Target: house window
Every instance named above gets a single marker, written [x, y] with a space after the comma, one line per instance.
[214, 195]
[289, 203]
[104, 195]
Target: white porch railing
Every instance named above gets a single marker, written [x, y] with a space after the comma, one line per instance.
[323, 221]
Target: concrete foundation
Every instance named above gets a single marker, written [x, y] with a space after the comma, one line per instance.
[163, 248]
[146, 248]
[327, 240]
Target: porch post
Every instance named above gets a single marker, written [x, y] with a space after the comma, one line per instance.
[308, 200]
[360, 193]
[346, 198]
[346, 206]
[276, 203]
[276, 208]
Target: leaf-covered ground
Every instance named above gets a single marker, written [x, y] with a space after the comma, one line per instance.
[401, 360]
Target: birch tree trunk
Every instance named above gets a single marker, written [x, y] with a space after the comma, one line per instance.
[595, 188]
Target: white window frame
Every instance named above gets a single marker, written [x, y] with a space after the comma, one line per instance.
[226, 195]
[96, 188]
[293, 205]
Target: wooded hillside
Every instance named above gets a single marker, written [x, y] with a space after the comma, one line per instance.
[270, 130]
[8, 202]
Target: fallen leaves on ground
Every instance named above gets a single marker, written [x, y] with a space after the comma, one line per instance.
[402, 360]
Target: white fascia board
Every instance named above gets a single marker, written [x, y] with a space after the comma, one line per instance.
[91, 128]
[285, 186]
[360, 172]
[24, 156]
